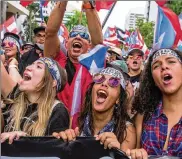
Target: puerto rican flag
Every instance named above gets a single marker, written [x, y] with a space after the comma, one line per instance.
[110, 36]
[9, 26]
[168, 29]
[63, 33]
[136, 41]
[104, 4]
[28, 2]
[161, 2]
[179, 45]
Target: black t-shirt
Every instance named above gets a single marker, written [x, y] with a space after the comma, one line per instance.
[135, 81]
[58, 121]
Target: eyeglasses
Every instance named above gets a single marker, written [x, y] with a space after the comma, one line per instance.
[40, 36]
[138, 57]
[10, 44]
[82, 35]
[27, 48]
[112, 82]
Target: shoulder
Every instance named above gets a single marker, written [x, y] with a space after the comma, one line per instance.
[59, 108]
[61, 58]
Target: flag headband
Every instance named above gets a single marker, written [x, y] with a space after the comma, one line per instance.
[11, 39]
[163, 52]
[114, 73]
[54, 70]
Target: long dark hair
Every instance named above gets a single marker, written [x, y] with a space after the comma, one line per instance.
[148, 95]
[120, 113]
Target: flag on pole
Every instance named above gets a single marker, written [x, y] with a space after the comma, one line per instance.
[104, 4]
[28, 2]
[9, 26]
[168, 25]
[161, 2]
[25, 3]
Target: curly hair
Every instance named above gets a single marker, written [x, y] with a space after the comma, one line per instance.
[120, 113]
[148, 95]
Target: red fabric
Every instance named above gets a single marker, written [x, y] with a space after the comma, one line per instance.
[104, 4]
[25, 3]
[10, 25]
[174, 19]
[45, 3]
[66, 95]
[161, 2]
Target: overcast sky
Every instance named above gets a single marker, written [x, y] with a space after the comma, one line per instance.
[119, 13]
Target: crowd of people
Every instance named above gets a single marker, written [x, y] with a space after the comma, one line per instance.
[133, 104]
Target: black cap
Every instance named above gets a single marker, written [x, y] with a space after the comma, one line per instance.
[11, 35]
[41, 28]
[31, 44]
[131, 51]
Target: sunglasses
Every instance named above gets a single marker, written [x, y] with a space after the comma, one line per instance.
[10, 44]
[112, 82]
[82, 35]
[138, 57]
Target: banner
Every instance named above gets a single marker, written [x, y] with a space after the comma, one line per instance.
[51, 148]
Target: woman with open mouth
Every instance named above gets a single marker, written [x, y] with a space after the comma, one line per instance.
[34, 109]
[104, 113]
[159, 106]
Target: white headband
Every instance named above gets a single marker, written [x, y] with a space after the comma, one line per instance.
[11, 39]
[163, 52]
[114, 73]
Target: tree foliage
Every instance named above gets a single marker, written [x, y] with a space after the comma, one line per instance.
[147, 31]
[75, 19]
[30, 24]
[176, 6]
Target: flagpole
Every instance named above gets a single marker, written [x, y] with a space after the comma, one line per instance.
[108, 15]
[3, 7]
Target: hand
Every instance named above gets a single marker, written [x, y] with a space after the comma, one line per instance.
[13, 61]
[12, 135]
[109, 140]
[67, 135]
[137, 154]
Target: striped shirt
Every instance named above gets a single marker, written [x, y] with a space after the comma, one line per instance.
[154, 135]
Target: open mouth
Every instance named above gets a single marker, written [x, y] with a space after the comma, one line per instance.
[135, 62]
[101, 96]
[77, 45]
[26, 77]
[7, 50]
[167, 77]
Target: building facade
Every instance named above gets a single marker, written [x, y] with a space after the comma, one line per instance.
[132, 16]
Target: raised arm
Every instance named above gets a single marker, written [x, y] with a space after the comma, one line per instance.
[7, 84]
[94, 26]
[52, 43]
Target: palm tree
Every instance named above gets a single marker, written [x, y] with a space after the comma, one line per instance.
[30, 22]
[75, 19]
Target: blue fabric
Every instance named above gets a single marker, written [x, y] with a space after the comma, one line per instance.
[109, 127]
[164, 27]
[54, 70]
[94, 60]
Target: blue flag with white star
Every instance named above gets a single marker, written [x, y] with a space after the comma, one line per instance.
[94, 60]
